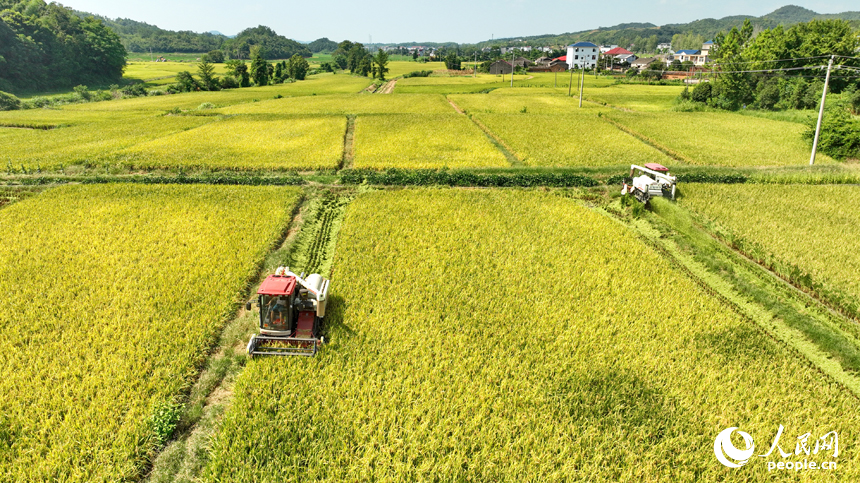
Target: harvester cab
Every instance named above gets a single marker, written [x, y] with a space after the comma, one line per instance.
[292, 309]
[649, 181]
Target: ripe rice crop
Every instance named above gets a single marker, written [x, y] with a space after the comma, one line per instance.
[86, 140]
[149, 71]
[721, 138]
[501, 335]
[112, 296]
[635, 96]
[579, 138]
[246, 142]
[806, 233]
[348, 104]
[398, 68]
[313, 85]
[422, 141]
[516, 104]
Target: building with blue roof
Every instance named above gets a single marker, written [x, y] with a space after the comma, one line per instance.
[582, 55]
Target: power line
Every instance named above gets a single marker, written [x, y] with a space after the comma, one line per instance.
[776, 60]
[787, 69]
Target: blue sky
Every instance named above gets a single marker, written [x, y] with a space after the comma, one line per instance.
[432, 21]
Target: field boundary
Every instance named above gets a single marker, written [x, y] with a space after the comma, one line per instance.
[348, 143]
[750, 310]
[676, 156]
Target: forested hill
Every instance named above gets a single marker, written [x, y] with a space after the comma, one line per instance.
[141, 37]
[646, 36]
[46, 46]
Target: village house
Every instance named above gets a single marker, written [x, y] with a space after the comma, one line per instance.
[582, 55]
[620, 55]
[500, 67]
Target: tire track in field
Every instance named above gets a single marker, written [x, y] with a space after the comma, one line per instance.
[497, 141]
[676, 156]
[348, 143]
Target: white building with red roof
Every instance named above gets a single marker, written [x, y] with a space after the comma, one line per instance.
[620, 55]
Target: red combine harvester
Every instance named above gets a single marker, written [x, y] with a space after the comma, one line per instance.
[291, 312]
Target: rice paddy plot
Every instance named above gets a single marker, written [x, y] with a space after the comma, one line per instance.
[398, 68]
[635, 97]
[348, 104]
[246, 142]
[112, 297]
[516, 104]
[422, 141]
[313, 85]
[580, 138]
[156, 72]
[513, 341]
[721, 138]
[805, 233]
[85, 143]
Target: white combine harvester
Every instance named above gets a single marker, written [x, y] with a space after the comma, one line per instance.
[652, 180]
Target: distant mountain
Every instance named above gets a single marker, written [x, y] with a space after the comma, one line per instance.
[646, 34]
[215, 32]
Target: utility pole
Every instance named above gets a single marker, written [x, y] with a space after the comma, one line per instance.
[476, 63]
[512, 67]
[570, 82]
[581, 81]
[821, 111]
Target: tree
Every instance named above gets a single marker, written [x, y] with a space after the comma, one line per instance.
[298, 67]
[364, 66]
[185, 82]
[381, 63]
[216, 56]
[259, 68]
[452, 62]
[415, 54]
[239, 70]
[340, 61]
[357, 54]
[279, 73]
[206, 72]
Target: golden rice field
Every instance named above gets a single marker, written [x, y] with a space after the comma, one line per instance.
[469, 342]
[246, 142]
[86, 140]
[637, 97]
[347, 104]
[721, 138]
[519, 104]
[398, 68]
[112, 296]
[578, 138]
[314, 85]
[803, 231]
[422, 141]
[149, 71]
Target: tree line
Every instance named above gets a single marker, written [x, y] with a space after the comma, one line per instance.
[46, 46]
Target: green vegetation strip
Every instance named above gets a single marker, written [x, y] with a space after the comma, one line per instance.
[431, 177]
[827, 339]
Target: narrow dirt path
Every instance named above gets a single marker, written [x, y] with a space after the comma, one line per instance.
[388, 88]
[348, 143]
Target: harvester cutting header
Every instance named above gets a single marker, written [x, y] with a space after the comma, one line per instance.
[292, 309]
[653, 180]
